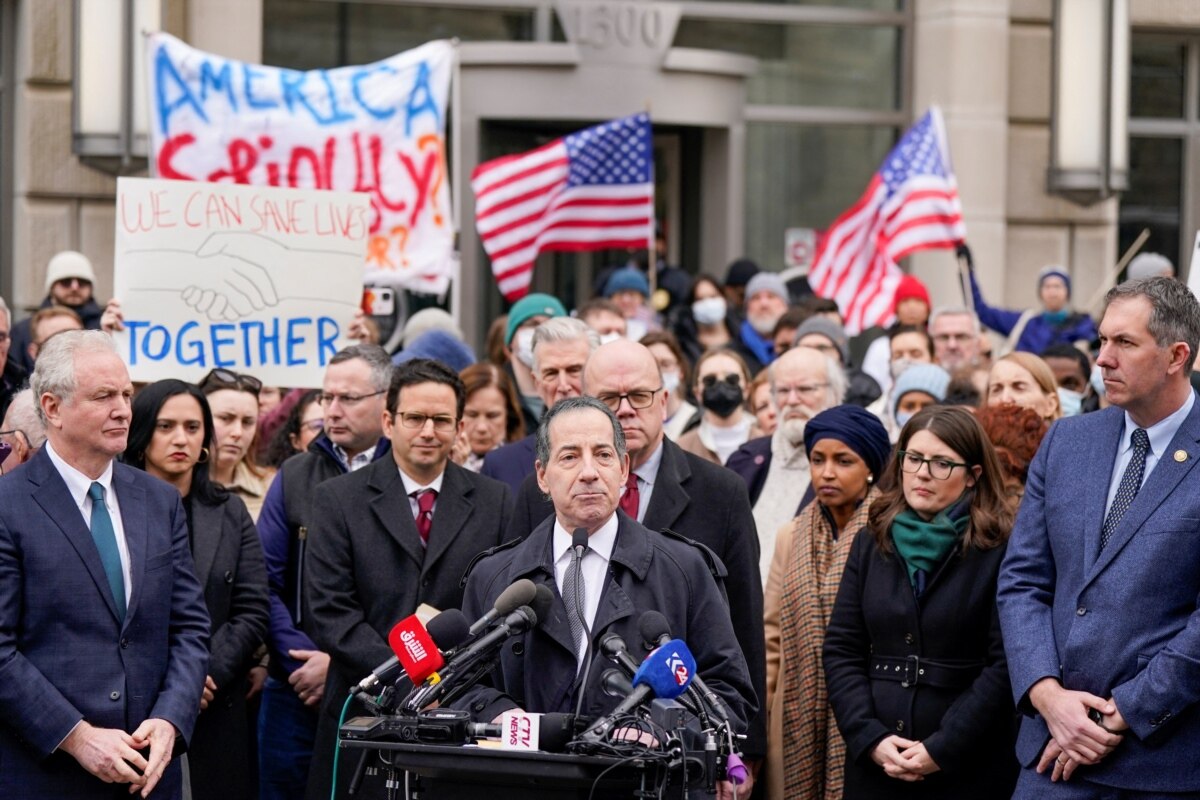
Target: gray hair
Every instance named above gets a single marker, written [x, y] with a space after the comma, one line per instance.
[375, 357]
[1174, 311]
[22, 416]
[54, 371]
[7, 313]
[835, 376]
[563, 329]
[953, 311]
[571, 405]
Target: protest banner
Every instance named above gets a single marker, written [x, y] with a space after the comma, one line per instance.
[252, 279]
[377, 128]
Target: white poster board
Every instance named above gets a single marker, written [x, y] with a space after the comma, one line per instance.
[252, 279]
[1194, 267]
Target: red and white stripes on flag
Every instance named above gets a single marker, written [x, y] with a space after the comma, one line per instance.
[910, 204]
[591, 190]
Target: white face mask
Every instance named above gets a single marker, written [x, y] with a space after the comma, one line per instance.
[902, 418]
[605, 338]
[709, 311]
[670, 381]
[1070, 402]
[523, 346]
[1098, 380]
[898, 366]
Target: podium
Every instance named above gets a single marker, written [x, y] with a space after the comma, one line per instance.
[464, 772]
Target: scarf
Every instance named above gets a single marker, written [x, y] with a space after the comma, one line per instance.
[763, 349]
[924, 544]
[814, 753]
[1056, 318]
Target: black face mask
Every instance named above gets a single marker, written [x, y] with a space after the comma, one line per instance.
[722, 398]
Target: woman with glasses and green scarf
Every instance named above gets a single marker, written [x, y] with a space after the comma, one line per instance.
[913, 655]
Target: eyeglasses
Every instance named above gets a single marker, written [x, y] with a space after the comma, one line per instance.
[953, 337]
[441, 422]
[314, 425]
[65, 282]
[14, 433]
[638, 398]
[733, 379]
[347, 400]
[809, 390]
[939, 468]
[227, 379]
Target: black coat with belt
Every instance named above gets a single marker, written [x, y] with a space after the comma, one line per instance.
[366, 570]
[229, 565]
[707, 504]
[964, 716]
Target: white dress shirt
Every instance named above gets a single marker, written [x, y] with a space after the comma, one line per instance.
[411, 486]
[593, 566]
[647, 474]
[78, 485]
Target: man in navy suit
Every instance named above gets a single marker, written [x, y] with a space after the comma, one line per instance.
[561, 347]
[1098, 591]
[103, 628]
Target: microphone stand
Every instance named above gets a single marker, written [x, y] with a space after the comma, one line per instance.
[578, 548]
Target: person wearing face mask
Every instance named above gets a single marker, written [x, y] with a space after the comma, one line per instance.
[918, 387]
[707, 321]
[1072, 372]
[523, 319]
[725, 425]
[628, 289]
[605, 318]
[674, 367]
[804, 382]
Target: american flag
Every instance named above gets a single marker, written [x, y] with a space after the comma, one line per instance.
[910, 204]
[591, 190]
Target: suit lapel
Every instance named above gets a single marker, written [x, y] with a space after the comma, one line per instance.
[454, 506]
[1157, 488]
[669, 499]
[1104, 451]
[56, 501]
[390, 505]
[132, 499]
[207, 532]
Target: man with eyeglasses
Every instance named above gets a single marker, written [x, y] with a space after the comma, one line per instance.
[69, 282]
[561, 347]
[391, 537]
[955, 333]
[671, 489]
[352, 396]
[21, 430]
[804, 382]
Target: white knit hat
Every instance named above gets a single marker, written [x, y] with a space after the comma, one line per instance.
[69, 264]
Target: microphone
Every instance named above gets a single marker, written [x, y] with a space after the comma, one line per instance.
[615, 683]
[556, 729]
[407, 637]
[614, 649]
[543, 601]
[656, 630]
[516, 595]
[448, 630]
[666, 673]
[579, 541]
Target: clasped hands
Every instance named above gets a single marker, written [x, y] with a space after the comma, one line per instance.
[1075, 738]
[112, 755]
[903, 759]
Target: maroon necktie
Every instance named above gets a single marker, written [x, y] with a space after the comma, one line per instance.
[424, 520]
[631, 498]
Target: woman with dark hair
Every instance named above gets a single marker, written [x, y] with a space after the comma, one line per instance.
[491, 416]
[726, 424]
[914, 659]
[170, 437]
[847, 449]
[233, 398]
[304, 423]
[706, 322]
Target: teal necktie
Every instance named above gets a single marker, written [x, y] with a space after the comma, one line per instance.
[105, 537]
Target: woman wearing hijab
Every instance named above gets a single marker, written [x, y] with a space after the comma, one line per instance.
[171, 437]
[847, 450]
[914, 658]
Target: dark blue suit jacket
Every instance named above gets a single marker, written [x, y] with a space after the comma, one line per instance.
[1122, 622]
[511, 463]
[64, 656]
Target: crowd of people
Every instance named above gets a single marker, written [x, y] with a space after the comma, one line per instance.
[954, 558]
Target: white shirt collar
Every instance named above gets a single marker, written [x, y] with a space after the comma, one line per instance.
[1160, 433]
[648, 471]
[601, 542]
[78, 483]
[411, 485]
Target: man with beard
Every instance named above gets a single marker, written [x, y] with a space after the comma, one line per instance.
[766, 302]
[69, 281]
[804, 382]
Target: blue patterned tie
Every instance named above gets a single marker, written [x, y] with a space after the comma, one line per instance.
[105, 537]
[1131, 481]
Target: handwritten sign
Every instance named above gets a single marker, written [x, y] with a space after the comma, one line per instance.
[252, 279]
[377, 128]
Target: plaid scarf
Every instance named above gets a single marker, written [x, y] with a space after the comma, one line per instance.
[813, 749]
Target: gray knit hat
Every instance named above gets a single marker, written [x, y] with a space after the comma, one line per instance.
[767, 282]
[826, 327]
[928, 378]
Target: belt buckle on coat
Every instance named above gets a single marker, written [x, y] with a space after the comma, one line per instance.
[912, 671]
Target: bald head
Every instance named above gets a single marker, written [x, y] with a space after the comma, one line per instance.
[623, 374]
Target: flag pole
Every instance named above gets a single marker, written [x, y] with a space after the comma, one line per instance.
[651, 260]
[1111, 278]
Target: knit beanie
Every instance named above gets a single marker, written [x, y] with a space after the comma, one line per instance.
[1054, 271]
[928, 378]
[830, 330]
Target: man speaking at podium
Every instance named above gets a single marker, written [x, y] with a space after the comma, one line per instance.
[625, 570]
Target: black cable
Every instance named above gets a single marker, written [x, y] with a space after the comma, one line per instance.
[577, 564]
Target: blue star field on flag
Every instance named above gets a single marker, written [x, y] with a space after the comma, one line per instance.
[917, 153]
[613, 153]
